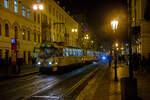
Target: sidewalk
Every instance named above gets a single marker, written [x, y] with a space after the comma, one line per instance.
[103, 86]
[25, 70]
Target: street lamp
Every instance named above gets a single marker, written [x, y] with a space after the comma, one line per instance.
[116, 44]
[38, 7]
[74, 30]
[114, 25]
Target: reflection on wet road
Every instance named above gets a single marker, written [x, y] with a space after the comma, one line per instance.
[48, 87]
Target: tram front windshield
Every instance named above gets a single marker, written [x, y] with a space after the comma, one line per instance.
[48, 52]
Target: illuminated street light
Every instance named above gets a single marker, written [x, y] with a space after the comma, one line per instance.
[116, 44]
[117, 49]
[92, 41]
[35, 7]
[38, 7]
[114, 24]
[87, 37]
[76, 30]
[73, 30]
[41, 7]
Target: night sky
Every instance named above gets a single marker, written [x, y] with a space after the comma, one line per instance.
[99, 14]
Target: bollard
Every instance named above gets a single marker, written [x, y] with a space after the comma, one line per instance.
[129, 89]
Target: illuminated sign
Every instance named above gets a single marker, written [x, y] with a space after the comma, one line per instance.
[13, 41]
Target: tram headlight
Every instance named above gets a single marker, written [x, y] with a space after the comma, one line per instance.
[49, 62]
[39, 63]
[104, 58]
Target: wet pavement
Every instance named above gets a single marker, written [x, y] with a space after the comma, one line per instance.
[65, 86]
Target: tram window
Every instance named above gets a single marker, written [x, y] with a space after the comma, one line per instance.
[67, 52]
[78, 52]
[75, 54]
[70, 52]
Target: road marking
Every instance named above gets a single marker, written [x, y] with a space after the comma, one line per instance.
[47, 97]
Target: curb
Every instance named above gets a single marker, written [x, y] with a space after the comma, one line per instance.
[18, 75]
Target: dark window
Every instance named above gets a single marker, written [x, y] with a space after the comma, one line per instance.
[6, 30]
[35, 17]
[0, 29]
[0, 53]
[34, 36]
[16, 32]
[6, 54]
[147, 11]
[38, 18]
[29, 35]
[39, 38]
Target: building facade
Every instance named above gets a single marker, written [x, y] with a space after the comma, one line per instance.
[63, 28]
[141, 17]
[30, 28]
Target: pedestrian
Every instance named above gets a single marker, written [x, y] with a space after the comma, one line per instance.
[143, 63]
[14, 67]
[9, 66]
[110, 60]
[19, 63]
[33, 62]
[135, 62]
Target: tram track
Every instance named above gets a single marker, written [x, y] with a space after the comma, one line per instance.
[60, 95]
[52, 86]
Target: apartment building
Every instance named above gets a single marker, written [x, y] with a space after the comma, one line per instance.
[30, 27]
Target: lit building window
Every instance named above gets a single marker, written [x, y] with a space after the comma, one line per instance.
[6, 30]
[23, 11]
[15, 6]
[28, 13]
[6, 3]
